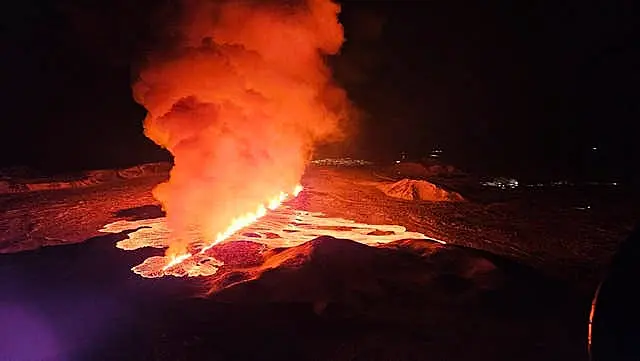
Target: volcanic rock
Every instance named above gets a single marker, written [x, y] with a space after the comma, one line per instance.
[20, 181]
[328, 271]
[419, 190]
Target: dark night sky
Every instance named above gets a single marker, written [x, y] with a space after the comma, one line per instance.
[502, 87]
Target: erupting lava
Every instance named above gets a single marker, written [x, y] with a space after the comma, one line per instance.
[249, 218]
[281, 227]
[236, 225]
[240, 96]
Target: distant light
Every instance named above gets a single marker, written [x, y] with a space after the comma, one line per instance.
[502, 183]
[594, 148]
[397, 161]
[583, 208]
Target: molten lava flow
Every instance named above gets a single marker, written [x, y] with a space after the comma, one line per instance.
[237, 224]
[281, 227]
[240, 95]
[176, 259]
[249, 218]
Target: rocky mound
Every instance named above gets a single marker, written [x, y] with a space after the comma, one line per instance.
[327, 270]
[419, 190]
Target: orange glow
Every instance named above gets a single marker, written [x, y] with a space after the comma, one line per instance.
[282, 227]
[249, 218]
[175, 260]
[276, 201]
[236, 225]
[240, 96]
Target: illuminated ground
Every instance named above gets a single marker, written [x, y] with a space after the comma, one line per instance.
[327, 299]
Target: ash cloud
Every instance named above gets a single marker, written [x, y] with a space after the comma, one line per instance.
[240, 97]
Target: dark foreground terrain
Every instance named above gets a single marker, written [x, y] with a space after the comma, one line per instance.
[513, 283]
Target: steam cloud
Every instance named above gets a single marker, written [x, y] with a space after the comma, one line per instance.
[240, 99]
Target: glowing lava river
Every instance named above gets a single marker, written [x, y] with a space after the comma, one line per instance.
[275, 225]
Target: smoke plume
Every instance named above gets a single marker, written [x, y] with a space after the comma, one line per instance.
[240, 98]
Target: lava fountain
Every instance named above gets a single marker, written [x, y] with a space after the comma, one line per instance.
[240, 96]
[236, 225]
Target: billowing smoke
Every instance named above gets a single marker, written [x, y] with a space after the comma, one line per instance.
[240, 99]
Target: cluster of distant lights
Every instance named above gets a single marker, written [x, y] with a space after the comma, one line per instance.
[437, 153]
[502, 183]
[499, 182]
[510, 183]
[345, 162]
